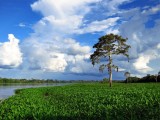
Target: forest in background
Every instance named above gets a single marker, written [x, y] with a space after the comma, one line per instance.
[147, 78]
[38, 81]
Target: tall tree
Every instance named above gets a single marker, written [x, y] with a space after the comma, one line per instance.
[107, 46]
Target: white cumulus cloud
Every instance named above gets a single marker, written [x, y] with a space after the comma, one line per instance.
[144, 41]
[10, 53]
[51, 47]
[58, 55]
[63, 15]
[62, 8]
[141, 64]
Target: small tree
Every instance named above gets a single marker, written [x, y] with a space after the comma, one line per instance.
[105, 80]
[107, 46]
[157, 75]
[127, 75]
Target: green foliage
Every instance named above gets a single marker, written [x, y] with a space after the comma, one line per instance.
[84, 102]
[149, 78]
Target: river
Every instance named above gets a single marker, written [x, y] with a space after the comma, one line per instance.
[9, 89]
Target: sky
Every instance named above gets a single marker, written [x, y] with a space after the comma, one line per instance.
[53, 39]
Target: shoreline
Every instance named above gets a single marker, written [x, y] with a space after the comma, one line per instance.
[11, 88]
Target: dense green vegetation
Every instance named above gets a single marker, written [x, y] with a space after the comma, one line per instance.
[145, 79]
[84, 101]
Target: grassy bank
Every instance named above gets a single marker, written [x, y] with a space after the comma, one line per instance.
[84, 101]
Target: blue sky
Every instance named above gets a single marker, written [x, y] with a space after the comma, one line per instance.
[53, 39]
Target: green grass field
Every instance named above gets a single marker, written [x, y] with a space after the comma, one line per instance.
[85, 101]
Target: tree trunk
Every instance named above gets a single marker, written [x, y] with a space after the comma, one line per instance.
[110, 71]
[110, 79]
[156, 78]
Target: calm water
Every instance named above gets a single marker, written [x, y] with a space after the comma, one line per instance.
[9, 90]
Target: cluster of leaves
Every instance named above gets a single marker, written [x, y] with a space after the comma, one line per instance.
[84, 101]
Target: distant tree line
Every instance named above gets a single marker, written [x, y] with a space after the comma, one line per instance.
[37, 81]
[148, 78]
[145, 79]
[9, 80]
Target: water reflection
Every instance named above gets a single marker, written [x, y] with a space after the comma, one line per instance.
[7, 90]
